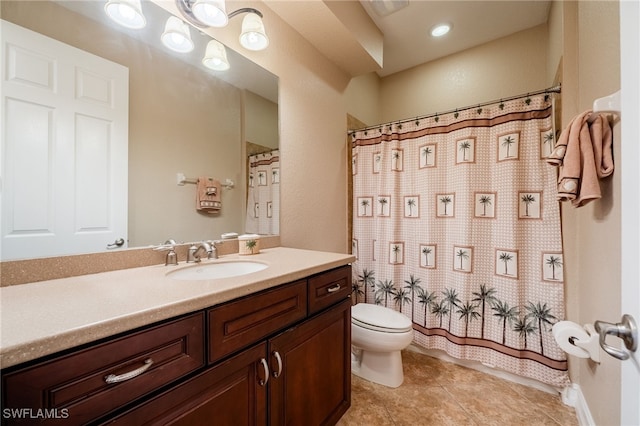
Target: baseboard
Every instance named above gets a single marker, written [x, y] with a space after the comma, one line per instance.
[571, 395]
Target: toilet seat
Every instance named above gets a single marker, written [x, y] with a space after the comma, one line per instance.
[379, 318]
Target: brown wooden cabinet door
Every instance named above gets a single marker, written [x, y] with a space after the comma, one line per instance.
[232, 393]
[314, 387]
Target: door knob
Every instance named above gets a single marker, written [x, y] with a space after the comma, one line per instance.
[627, 330]
[117, 243]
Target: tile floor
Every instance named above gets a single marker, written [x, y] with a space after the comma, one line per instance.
[437, 392]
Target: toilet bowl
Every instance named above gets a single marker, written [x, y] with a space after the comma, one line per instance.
[378, 334]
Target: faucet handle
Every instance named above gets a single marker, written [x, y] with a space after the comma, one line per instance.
[167, 245]
[172, 258]
[191, 254]
[214, 248]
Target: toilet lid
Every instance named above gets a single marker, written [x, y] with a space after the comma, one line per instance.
[377, 317]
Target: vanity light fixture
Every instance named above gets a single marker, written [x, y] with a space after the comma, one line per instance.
[176, 36]
[215, 57]
[253, 35]
[440, 30]
[127, 13]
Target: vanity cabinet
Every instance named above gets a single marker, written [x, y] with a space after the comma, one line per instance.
[281, 356]
[301, 376]
[87, 384]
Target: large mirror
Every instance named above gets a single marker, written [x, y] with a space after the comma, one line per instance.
[183, 119]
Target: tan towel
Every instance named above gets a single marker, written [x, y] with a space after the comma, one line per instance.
[208, 195]
[584, 154]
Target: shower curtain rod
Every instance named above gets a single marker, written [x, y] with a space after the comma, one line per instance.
[554, 89]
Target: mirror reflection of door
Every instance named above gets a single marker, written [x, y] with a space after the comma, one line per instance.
[66, 138]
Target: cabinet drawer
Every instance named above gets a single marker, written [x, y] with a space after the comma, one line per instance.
[328, 288]
[76, 384]
[243, 322]
[229, 393]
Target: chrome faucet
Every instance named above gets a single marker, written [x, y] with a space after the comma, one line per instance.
[196, 252]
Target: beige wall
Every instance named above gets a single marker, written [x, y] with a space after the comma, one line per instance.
[505, 67]
[591, 69]
[181, 119]
[362, 98]
[554, 40]
[260, 120]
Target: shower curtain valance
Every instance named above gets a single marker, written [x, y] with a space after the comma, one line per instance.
[478, 108]
[456, 225]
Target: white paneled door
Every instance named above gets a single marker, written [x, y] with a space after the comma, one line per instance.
[630, 158]
[64, 152]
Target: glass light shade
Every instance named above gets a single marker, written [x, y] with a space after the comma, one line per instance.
[253, 36]
[210, 12]
[127, 13]
[215, 57]
[177, 36]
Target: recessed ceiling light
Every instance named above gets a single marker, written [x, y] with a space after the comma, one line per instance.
[440, 30]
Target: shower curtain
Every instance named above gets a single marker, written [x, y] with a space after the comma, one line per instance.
[456, 225]
[263, 195]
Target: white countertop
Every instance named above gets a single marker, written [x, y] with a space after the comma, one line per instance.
[42, 318]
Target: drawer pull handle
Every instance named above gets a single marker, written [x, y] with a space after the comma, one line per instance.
[334, 288]
[112, 378]
[265, 366]
[276, 374]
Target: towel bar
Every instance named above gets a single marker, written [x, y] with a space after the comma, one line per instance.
[608, 104]
[181, 179]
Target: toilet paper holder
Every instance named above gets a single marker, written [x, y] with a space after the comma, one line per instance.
[591, 345]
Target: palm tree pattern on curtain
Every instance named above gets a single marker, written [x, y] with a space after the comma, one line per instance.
[465, 238]
[263, 194]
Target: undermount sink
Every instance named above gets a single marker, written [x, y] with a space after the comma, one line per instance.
[218, 269]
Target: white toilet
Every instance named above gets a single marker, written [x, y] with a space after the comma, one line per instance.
[378, 334]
